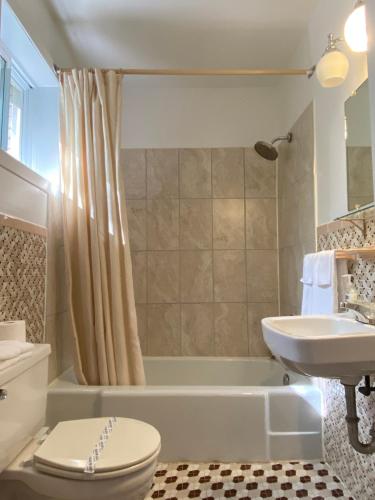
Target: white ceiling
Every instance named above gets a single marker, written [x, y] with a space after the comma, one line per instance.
[184, 33]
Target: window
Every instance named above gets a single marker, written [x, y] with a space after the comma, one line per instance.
[17, 114]
[3, 101]
[29, 99]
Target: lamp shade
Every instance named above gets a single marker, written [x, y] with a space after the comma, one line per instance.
[332, 69]
[355, 29]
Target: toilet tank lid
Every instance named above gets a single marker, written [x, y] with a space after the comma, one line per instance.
[98, 445]
[39, 352]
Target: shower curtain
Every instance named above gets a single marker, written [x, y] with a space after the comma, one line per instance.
[100, 291]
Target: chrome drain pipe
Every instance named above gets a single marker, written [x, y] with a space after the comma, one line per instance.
[352, 421]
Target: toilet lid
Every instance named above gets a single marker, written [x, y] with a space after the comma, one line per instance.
[97, 445]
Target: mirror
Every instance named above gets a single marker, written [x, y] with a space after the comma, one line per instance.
[358, 148]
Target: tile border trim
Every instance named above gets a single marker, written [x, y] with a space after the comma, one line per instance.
[22, 225]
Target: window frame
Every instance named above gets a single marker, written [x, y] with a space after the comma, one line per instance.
[21, 80]
[4, 109]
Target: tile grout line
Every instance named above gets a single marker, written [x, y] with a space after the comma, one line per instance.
[147, 252]
[214, 350]
[248, 333]
[179, 248]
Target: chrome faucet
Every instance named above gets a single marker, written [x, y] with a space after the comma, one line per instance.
[363, 312]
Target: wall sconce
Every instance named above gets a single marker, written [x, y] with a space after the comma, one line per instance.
[355, 28]
[333, 67]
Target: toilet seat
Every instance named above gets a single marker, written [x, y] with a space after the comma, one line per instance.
[97, 448]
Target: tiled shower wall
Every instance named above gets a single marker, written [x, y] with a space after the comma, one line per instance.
[296, 209]
[355, 469]
[202, 225]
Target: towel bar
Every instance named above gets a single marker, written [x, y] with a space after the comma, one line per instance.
[354, 253]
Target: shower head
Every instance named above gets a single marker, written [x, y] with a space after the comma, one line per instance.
[267, 150]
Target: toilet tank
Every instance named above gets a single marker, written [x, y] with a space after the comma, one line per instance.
[22, 413]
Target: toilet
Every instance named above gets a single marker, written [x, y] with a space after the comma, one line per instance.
[107, 457]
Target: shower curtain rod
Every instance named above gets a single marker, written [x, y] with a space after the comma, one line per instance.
[202, 71]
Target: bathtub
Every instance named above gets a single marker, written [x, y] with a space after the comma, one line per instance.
[206, 409]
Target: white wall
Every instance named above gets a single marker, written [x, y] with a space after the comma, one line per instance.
[329, 106]
[160, 117]
[44, 30]
[23, 194]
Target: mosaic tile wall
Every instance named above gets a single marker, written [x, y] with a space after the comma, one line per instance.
[23, 259]
[202, 226]
[356, 469]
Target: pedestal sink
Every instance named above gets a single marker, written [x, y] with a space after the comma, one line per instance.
[327, 346]
[333, 346]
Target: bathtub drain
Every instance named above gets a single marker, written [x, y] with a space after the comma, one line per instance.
[286, 379]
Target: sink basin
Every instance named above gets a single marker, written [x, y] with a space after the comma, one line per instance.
[332, 346]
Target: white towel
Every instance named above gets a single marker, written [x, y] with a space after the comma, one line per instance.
[321, 296]
[308, 269]
[325, 266]
[12, 348]
[14, 361]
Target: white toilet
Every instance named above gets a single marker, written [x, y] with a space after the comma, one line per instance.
[109, 458]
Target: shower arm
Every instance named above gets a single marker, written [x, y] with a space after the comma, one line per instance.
[287, 138]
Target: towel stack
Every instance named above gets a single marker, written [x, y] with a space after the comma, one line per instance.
[320, 284]
[13, 351]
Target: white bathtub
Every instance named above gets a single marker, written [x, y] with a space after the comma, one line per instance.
[225, 409]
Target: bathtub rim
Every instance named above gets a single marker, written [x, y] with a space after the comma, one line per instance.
[66, 383]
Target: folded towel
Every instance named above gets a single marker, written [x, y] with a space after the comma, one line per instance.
[308, 269]
[14, 361]
[325, 266]
[12, 348]
[320, 294]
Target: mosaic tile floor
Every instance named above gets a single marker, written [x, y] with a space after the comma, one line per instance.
[277, 481]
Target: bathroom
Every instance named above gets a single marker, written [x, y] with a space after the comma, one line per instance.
[170, 173]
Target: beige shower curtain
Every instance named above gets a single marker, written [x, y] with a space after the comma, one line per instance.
[99, 274]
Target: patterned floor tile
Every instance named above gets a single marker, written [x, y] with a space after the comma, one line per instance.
[276, 481]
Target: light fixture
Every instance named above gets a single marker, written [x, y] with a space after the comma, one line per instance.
[333, 67]
[355, 28]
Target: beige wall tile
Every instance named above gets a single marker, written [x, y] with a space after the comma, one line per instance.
[195, 173]
[133, 163]
[229, 276]
[195, 224]
[163, 277]
[139, 263]
[163, 330]
[58, 336]
[296, 209]
[162, 173]
[56, 278]
[256, 312]
[230, 330]
[51, 333]
[196, 276]
[260, 176]
[261, 224]
[228, 172]
[291, 264]
[189, 247]
[136, 212]
[142, 327]
[262, 280]
[197, 333]
[288, 220]
[228, 224]
[162, 224]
